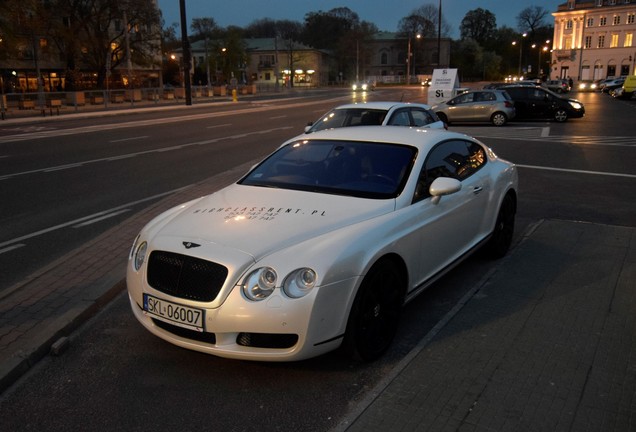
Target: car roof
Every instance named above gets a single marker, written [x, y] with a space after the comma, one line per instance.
[412, 136]
[387, 105]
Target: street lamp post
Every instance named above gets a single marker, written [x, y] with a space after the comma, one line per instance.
[520, 51]
[417, 36]
[409, 61]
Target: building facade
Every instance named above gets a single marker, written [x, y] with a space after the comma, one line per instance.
[389, 52]
[594, 39]
[269, 61]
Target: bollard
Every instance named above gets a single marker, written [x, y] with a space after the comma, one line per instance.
[234, 96]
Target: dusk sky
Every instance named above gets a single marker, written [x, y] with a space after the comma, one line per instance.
[385, 14]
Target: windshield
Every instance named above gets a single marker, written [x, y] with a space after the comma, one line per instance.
[360, 169]
[349, 117]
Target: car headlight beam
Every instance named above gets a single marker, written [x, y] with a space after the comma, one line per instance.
[299, 282]
[260, 284]
[576, 105]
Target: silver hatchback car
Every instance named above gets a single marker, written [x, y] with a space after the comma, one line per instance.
[494, 106]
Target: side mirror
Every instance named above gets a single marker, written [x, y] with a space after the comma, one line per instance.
[309, 125]
[443, 186]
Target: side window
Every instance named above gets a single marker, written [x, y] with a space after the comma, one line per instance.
[421, 117]
[400, 118]
[537, 94]
[456, 159]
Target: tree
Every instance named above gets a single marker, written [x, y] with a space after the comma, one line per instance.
[428, 16]
[531, 18]
[478, 24]
[341, 31]
[106, 28]
[204, 28]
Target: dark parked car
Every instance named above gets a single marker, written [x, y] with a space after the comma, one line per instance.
[558, 85]
[541, 103]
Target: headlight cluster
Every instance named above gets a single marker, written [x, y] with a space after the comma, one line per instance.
[575, 105]
[138, 253]
[260, 284]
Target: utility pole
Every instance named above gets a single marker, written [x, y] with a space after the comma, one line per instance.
[185, 44]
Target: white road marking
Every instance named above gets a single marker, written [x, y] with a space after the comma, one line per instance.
[101, 218]
[13, 247]
[218, 126]
[129, 155]
[577, 171]
[86, 218]
[129, 139]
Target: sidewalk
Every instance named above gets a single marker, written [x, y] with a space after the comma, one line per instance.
[547, 343]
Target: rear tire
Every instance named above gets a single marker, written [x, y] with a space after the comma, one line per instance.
[499, 119]
[375, 314]
[501, 238]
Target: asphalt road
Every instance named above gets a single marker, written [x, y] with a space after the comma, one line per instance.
[117, 376]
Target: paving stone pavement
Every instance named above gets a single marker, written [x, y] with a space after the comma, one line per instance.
[547, 343]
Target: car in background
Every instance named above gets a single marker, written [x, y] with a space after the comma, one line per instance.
[541, 103]
[610, 85]
[587, 86]
[321, 244]
[377, 114]
[494, 106]
[558, 86]
[426, 82]
[362, 86]
[627, 90]
[495, 85]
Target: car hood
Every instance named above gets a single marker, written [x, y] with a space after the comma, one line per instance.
[258, 221]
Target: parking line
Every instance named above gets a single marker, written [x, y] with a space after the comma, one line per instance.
[577, 171]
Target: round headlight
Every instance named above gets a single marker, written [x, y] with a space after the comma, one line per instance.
[260, 283]
[140, 255]
[298, 283]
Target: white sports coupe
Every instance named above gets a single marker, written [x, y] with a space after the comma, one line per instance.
[321, 244]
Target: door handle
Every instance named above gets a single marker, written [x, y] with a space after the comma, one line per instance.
[477, 189]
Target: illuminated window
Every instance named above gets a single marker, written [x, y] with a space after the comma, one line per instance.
[568, 25]
[614, 42]
[629, 39]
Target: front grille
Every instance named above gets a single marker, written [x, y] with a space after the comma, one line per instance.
[267, 340]
[186, 333]
[184, 276]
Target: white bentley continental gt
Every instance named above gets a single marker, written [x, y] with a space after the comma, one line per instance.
[321, 244]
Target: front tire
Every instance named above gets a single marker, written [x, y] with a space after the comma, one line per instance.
[375, 314]
[561, 115]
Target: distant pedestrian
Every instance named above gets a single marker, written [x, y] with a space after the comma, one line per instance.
[570, 82]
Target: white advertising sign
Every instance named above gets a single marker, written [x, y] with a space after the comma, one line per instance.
[443, 85]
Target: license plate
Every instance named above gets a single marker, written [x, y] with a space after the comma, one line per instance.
[183, 316]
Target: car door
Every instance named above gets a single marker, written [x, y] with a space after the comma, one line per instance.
[542, 104]
[456, 223]
[523, 105]
[481, 105]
